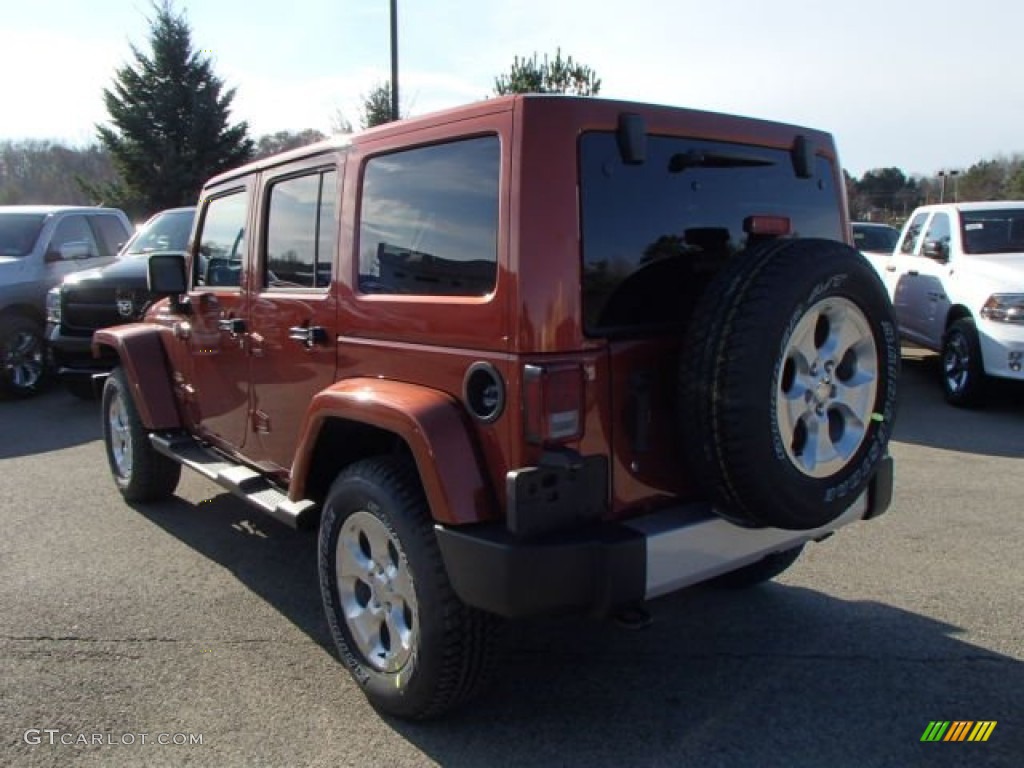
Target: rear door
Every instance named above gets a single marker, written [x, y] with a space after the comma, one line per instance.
[292, 312]
[654, 235]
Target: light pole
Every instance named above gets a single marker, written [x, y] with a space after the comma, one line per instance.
[394, 59]
[942, 188]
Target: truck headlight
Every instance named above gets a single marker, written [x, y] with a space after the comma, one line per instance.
[1004, 308]
[53, 305]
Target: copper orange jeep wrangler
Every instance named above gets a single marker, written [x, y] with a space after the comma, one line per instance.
[534, 355]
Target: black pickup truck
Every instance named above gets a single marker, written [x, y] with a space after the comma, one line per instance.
[97, 298]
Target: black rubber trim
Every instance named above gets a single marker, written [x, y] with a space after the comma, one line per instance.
[587, 571]
[880, 488]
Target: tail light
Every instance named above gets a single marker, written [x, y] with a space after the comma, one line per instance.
[553, 403]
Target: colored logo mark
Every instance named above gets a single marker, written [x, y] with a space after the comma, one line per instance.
[958, 730]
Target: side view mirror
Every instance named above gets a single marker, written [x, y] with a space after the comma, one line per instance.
[167, 275]
[936, 249]
[69, 251]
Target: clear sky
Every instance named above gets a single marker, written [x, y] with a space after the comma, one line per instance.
[917, 84]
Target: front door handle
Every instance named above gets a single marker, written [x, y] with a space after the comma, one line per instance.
[913, 273]
[890, 268]
[308, 334]
[233, 325]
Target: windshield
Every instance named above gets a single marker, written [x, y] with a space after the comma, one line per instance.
[875, 238]
[655, 233]
[167, 231]
[996, 231]
[19, 232]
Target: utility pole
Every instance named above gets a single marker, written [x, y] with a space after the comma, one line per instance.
[394, 59]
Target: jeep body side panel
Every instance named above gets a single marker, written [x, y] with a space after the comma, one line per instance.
[141, 350]
[429, 422]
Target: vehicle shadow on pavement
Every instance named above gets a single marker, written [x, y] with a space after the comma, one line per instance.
[925, 418]
[48, 422]
[778, 675]
[275, 562]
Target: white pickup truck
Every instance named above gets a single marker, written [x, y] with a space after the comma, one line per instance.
[956, 280]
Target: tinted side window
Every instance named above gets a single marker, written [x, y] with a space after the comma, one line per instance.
[300, 232]
[222, 240]
[73, 234]
[909, 244]
[111, 233]
[429, 220]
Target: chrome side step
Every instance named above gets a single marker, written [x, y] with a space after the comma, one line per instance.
[243, 482]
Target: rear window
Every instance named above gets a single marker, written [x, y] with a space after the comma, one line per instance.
[19, 232]
[654, 234]
[993, 231]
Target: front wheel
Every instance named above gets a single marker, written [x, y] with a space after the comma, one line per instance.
[23, 365]
[413, 647]
[963, 374]
[140, 472]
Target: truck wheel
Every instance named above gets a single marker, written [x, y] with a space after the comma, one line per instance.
[407, 640]
[963, 374]
[765, 569]
[23, 366]
[788, 383]
[140, 472]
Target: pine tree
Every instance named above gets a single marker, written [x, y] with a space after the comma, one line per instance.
[376, 106]
[170, 121]
[556, 76]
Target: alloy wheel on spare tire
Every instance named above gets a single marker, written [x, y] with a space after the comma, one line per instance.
[788, 383]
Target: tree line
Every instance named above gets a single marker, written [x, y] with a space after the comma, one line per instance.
[170, 129]
[889, 195]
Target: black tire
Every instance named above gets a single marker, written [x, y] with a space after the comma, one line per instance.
[963, 372]
[765, 569]
[377, 510]
[82, 388]
[23, 359]
[766, 366]
[140, 472]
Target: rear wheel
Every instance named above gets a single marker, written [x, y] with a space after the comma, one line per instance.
[140, 472]
[413, 647]
[963, 373]
[788, 383]
[23, 365]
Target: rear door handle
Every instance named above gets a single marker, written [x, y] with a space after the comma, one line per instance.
[308, 334]
[233, 325]
[890, 268]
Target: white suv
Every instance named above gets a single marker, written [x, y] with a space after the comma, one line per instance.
[956, 280]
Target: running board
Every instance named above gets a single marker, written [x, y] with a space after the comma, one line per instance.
[240, 480]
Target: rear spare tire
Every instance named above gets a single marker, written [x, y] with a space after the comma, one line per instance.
[788, 383]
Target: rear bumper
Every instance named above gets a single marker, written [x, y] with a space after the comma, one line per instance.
[606, 565]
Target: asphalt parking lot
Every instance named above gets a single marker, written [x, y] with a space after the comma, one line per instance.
[199, 618]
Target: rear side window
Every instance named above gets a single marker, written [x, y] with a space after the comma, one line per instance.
[429, 220]
[110, 232]
[301, 230]
[654, 234]
[222, 240]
